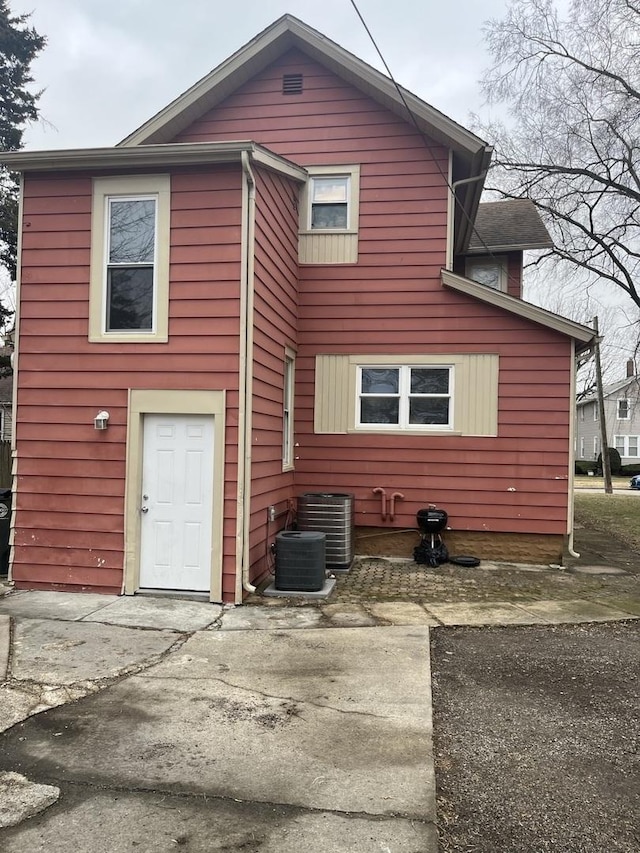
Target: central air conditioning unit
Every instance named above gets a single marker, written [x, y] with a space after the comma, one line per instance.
[331, 513]
[300, 561]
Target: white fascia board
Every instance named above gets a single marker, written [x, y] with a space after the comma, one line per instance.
[144, 156]
[580, 333]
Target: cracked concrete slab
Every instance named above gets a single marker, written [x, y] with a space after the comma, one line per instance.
[481, 613]
[5, 645]
[557, 612]
[21, 799]
[67, 652]
[269, 618]
[20, 700]
[323, 719]
[401, 613]
[42, 604]
[121, 821]
[172, 614]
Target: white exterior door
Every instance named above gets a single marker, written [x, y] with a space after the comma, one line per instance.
[177, 502]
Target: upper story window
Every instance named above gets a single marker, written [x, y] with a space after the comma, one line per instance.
[595, 412]
[623, 410]
[130, 263]
[329, 215]
[329, 199]
[405, 397]
[489, 271]
[129, 289]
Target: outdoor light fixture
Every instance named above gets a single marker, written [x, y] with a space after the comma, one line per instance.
[101, 420]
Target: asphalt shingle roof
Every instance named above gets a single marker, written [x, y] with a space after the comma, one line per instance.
[508, 225]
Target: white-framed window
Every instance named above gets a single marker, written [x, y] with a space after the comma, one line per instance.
[623, 409]
[405, 396]
[329, 215]
[489, 271]
[287, 409]
[581, 447]
[595, 411]
[596, 446]
[627, 445]
[581, 413]
[129, 290]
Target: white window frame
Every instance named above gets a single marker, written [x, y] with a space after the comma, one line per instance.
[500, 262]
[352, 176]
[581, 447]
[623, 444]
[596, 446]
[581, 411]
[136, 187]
[287, 409]
[595, 411]
[627, 409]
[404, 396]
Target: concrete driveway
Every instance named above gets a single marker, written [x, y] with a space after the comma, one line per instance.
[238, 739]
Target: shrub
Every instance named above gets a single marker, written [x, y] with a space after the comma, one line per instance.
[630, 470]
[615, 462]
[583, 466]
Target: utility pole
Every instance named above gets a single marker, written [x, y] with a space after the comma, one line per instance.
[606, 461]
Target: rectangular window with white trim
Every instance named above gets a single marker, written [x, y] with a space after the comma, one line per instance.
[623, 409]
[329, 215]
[405, 397]
[627, 445]
[129, 259]
[287, 410]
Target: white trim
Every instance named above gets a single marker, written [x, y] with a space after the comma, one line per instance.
[157, 187]
[288, 406]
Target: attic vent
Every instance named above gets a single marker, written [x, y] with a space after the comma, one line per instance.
[291, 84]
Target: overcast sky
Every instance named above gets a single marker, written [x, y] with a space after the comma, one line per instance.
[109, 65]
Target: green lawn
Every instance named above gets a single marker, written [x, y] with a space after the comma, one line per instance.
[618, 514]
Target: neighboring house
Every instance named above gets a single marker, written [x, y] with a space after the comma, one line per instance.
[264, 287]
[622, 418]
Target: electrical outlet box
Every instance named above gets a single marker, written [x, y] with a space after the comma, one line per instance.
[271, 513]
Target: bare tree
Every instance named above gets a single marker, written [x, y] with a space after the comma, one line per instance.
[569, 89]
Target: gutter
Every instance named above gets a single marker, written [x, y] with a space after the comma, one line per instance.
[245, 408]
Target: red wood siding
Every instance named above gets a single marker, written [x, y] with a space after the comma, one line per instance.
[392, 301]
[275, 327]
[70, 501]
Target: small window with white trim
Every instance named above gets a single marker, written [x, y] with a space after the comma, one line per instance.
[129, 259]
[329, 215]
[405, 397]
[623, 409]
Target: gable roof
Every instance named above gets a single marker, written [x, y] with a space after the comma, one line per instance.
[613, 389]
[583, 335]
[504, 226]
[471, 155]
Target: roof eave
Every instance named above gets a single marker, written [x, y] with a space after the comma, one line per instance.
[149, 156]
[511, 247]
[582, 335]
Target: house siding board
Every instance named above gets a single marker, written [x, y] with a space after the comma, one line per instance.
[71, 480]
[275, 328]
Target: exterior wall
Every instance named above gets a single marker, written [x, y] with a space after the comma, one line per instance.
[275, 327]
[70, 487]
[392, 302]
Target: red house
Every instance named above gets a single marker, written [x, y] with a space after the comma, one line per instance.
[274, 287]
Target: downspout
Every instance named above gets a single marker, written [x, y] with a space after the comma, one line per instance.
[572, 434]
[453, 187]
[245, 408]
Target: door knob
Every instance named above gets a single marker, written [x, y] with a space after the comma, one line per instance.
[144, 509]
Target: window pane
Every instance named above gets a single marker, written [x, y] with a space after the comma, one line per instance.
[129, 298]
[384, 381]
[429, 380]
[428, 410]
[619, 443]
[329, 216]
[633, 445]
[327, 190]
[132, 231]
[379, 410]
